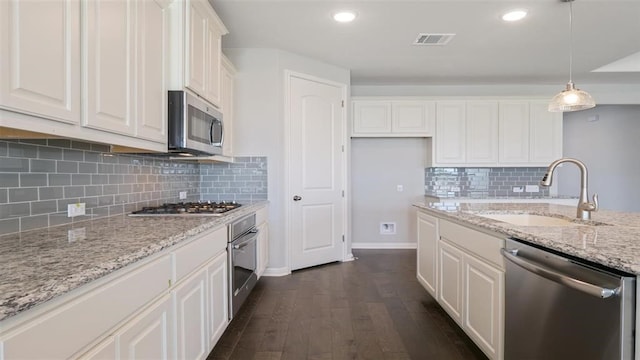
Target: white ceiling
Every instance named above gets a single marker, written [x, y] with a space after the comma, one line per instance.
[377, 48]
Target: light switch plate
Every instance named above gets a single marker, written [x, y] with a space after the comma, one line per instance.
[532, 188]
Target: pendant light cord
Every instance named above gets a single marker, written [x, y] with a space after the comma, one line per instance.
[571, 41]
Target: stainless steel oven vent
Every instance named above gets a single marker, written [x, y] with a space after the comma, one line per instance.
[433, 39]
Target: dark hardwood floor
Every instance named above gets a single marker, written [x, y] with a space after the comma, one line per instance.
[370, 308]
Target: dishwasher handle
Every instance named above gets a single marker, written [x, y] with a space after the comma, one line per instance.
[591, 289]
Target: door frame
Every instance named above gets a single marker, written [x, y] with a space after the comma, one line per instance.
[346, 245]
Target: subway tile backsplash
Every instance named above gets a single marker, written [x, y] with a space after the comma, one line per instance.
[39, 178]
[483, 182]
[243, 180]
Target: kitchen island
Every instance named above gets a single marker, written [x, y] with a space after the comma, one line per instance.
[611, 238]
[460, 260]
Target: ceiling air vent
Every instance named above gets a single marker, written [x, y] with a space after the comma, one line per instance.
[433, 39]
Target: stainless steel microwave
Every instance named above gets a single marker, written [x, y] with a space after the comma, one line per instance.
[195, 126]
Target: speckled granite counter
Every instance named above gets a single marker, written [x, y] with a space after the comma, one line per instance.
[42, 264]
[611, 238]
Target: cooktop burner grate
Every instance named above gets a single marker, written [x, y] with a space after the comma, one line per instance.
[188, 208]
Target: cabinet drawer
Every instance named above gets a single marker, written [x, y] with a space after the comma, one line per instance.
[190, 256]
[476, 242]
[66, 329]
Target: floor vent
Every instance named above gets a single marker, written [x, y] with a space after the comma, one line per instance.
[433, 39]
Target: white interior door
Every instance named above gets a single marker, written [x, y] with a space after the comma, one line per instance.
[316, 171]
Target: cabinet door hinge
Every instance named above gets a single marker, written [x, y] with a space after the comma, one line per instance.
[342, 193]
[342, 148]
[342, 103]
[342, 238]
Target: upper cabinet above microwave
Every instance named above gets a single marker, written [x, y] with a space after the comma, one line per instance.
[99, 70]
[91, 70]
[196, 49]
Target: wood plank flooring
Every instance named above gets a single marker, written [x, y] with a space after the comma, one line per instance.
[370, 308]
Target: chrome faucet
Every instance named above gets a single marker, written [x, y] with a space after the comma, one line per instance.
[584, 206]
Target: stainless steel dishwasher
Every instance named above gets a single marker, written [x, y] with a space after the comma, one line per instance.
[557, 307]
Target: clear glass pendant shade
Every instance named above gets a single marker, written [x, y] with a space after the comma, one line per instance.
[571, 99]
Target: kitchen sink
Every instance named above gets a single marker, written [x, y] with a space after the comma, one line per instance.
[530, 220]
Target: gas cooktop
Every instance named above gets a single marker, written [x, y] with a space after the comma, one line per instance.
[200, 208]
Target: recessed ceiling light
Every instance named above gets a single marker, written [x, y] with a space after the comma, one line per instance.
[344, 16]
[514, 15]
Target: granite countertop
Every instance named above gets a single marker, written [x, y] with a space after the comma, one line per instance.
[611, 238]
[41, 264]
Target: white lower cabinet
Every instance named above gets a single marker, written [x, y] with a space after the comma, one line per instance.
[483, 304]
[262, 242]
[427, 269]
[218, 299]
[263, 248]
[149, 335]
[190, 300]
[171, 306]
[467, 271]
[451, 280]
[105, 350]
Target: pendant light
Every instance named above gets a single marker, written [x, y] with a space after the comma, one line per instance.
[571, 98]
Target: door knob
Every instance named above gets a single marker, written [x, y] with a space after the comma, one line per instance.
[297, 198]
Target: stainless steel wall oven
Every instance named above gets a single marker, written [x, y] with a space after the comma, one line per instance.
[242, 252]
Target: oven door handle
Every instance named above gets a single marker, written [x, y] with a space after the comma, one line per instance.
[251, 236]
[555, 276]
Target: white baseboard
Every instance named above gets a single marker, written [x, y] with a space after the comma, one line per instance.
[384, 245]
[349, 257]
[283, 271]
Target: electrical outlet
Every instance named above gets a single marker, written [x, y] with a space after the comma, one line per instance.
[400, 188]
[532, 188]
[517, 189]
[77, 209]
[182, 195]
[388, 228]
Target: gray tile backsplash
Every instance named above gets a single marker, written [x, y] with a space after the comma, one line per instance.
[39, 178]
[483, 182]
[244, 180]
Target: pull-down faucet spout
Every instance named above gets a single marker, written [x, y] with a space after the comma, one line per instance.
[584, 206]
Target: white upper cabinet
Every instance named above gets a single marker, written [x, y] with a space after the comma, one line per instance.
[213, 60]
[100, 66]
[397, 118]
[467, 133]
[125, 82]
[196, 48]
[196, 44]
[514, 132]
[152, 68]
[413, 117]
[451, 127]
[545, 134]
[226, 92]
[371, 117]
[40, 58]
[496, 133]
[482, 132]
[109, 54]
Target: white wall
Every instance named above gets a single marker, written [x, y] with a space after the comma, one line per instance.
[259, 123]
[603, 93]
[377, 167]
[610, 147]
